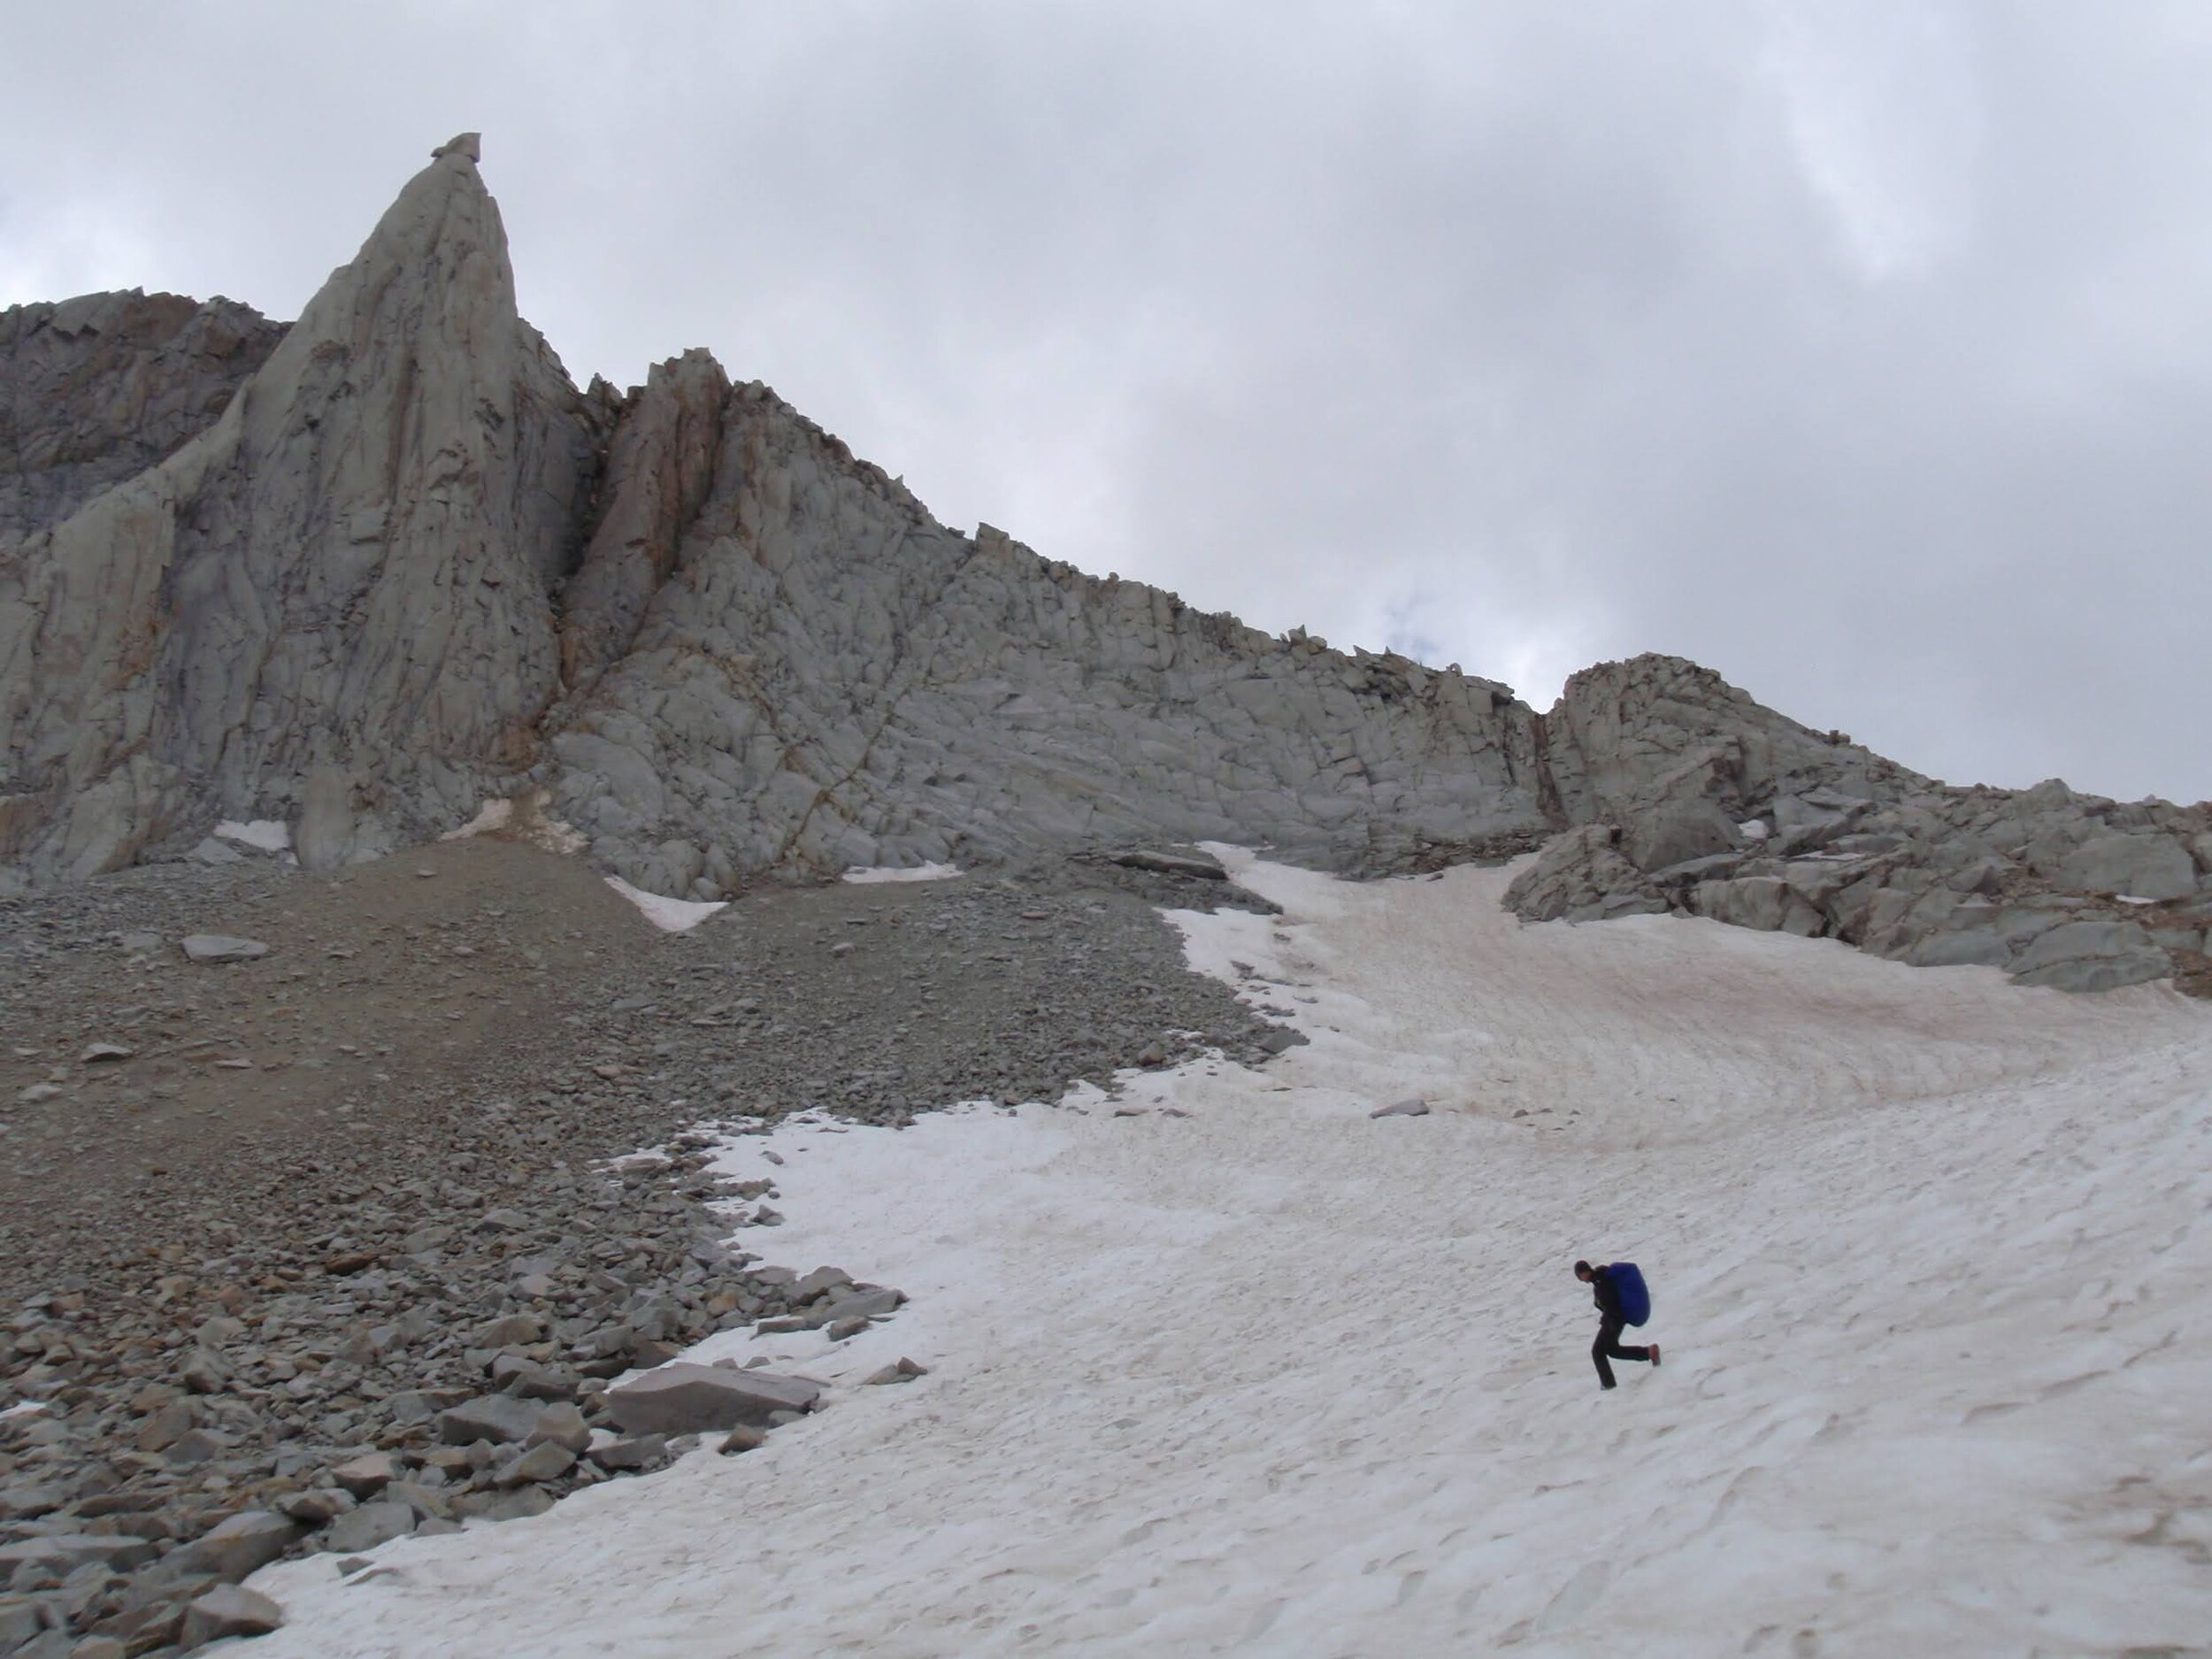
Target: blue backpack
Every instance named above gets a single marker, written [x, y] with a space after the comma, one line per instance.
[1628, 1283]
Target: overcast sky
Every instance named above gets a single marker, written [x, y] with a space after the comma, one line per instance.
[1861, 351]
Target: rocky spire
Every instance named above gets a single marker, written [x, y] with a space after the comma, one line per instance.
[410, 567]
[350, 570]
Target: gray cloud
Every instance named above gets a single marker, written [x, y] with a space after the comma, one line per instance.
[1860, 351]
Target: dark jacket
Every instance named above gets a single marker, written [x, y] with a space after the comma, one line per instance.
[1605, 1293]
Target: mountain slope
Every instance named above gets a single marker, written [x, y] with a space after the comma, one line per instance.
[411, 568]
[349, 568]
[1268, 1376]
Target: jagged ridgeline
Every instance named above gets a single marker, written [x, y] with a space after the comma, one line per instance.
[367, 572]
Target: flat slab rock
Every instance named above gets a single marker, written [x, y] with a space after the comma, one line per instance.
[683, 1398]
[230, 1610]
[498, 1418]
[1403, 1109]
[221, 948]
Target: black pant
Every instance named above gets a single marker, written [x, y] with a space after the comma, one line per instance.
[1608, 1347]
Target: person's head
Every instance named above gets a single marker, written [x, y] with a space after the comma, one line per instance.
[1585, 1272]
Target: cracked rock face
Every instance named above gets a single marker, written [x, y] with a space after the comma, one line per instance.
[824, 676]
[365, 575]
[1700, 801]
[97, 389]
[350, 568]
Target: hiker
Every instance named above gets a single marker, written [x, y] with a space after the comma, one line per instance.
[1618, 1289]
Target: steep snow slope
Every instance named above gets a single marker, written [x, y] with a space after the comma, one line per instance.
[1931, 1254]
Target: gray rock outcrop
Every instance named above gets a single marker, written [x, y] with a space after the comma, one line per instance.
[683, 1398]
[97, 389]
[828, 677]
[363, 574]
[1704, 802]
[351, 567]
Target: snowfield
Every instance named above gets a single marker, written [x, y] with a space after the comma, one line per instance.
[1933, 1278]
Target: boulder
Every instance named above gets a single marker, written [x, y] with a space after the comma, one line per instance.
[560, 1424]
[324, 840]
[858, 1302]
[2092, 956]
[528, 1380]
[238, 1548]
[316, 1507]
[682, 1398]
[230, 1610]
[63, 1553]
[221, 948]
[820, 1282]
[2144, 866]
[365, 1476]
[1676, 832]
[546, 1460]
[1403, 1109]
[1578, 876]
[902, 1370]
[1767, 902]
[370, 1525]
[643, 1451]
[19, 1622]
[1981, 875]
[496, 1417]
[512, 1331]
[518, 1504]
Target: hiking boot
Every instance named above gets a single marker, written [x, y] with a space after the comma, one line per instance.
[1654, 1356]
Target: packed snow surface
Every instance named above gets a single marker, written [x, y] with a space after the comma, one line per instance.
[864, 874]
[1933, 1277]
[670, 916]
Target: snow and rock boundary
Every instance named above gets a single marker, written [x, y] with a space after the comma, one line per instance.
[1223, 1364]
[353, 1180]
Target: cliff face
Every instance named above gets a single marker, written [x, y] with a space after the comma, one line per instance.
[350, 568]
[95, 390]
[802, 667]
[363, 573]
[1693, 798]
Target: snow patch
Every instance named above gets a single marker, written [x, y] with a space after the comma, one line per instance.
[867, 874]
[1932, 1262]
[670, 916]
[266, 834]
[21, 1408]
